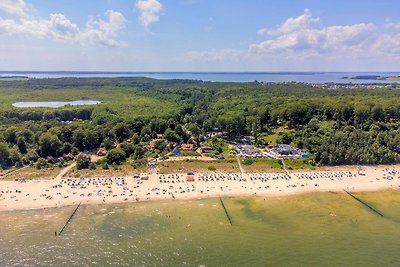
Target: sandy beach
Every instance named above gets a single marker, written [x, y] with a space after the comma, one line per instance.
[63, 191]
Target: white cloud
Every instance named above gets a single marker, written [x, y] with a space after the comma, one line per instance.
[298, 35]
[61, 29]
[388, 44]
[149, 11]
[292, 24]
[14, 7]
[392, 25]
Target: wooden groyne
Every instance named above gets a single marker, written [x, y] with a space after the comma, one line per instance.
[69, 219]
[226, 211]
[365, 204]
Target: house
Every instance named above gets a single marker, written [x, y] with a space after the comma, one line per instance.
[69, 156]
[81, 155]
[187, 146]
[102, 151]
[151, 146]
[160, 136]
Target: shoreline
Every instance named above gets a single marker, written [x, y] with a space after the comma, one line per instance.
[62, 192]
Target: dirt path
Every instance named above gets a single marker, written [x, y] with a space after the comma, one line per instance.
[239, 163]
[64, 171]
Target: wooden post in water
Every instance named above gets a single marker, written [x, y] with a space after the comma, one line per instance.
[69, 219]
[226, 212]
[365, 204]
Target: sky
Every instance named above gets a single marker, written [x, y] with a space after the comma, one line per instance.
[200, 35]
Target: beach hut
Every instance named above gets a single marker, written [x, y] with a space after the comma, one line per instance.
[190, 177]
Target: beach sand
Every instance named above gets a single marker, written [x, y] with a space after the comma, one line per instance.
[37, 194]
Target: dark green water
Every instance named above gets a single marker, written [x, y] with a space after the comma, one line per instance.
[321, 229]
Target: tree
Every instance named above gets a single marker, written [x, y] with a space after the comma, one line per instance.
[160, 145]
[83, 162]
[287, 138]
[21, 144]
[10, 135]
[139, 152]
[4, 155]
[121, 131]
[78, 138]
[45, 145]
[116, 155]
[128, 148]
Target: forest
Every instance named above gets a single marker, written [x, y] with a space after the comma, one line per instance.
[342, 126]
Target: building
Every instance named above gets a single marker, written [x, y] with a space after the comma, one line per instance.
[285, 150]
[288, 151]
[102, 151]
[187, 147]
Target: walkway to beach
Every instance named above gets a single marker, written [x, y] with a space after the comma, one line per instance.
[64, 171]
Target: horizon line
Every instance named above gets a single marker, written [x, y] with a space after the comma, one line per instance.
[188, 72]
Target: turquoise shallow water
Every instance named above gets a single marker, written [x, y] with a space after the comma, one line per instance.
[322, 229]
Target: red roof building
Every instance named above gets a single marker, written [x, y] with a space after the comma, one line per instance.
[187, 146]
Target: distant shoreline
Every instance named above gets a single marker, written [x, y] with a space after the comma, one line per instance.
[374, 77]
[221, 76]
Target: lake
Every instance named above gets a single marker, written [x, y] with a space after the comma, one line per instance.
[318, 229]
[305, 77]
[54, 104]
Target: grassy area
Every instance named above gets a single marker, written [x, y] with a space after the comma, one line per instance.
[298, 164]
[263, 165]
[275, 135]
[122, 170]
[198, 166]
[31, 173]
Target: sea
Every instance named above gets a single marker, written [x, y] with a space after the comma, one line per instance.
[315, 229]
[304, 77]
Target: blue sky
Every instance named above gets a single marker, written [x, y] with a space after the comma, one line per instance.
[200, 35]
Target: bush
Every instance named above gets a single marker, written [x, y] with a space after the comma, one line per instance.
[105, 166]
[211, 168]
[248, 161]
[41, 163]
[92, 166]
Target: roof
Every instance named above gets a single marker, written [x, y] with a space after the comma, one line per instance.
[187, 146]
[101, 151]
